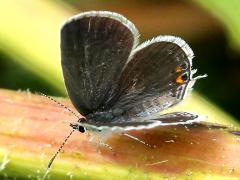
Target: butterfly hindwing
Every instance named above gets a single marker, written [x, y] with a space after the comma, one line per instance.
[156, 77]
[137, 123]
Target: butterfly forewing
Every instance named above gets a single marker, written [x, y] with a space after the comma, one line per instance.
[94, 48]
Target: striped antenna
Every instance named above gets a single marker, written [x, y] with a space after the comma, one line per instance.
[60, 104]
[59, 149]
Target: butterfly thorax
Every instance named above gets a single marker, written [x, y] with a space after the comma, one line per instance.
[102, 116]
[96, 120]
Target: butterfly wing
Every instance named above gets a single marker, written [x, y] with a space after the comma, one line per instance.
[94, 48]
[137, 123]
[156, 77]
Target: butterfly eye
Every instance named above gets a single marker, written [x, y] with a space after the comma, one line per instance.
[81, 129]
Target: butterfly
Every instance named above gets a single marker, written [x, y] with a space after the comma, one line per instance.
[117, 84]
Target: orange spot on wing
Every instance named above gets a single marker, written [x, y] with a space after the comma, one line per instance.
[179, 80]
[178, 69]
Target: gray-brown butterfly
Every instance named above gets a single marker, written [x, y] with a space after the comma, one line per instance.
[117, 84]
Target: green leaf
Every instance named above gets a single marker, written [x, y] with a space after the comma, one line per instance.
[228, 12]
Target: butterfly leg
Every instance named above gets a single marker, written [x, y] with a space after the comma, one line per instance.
[139, 140]
[100, 142]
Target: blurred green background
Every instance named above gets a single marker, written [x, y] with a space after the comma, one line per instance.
[30, 54]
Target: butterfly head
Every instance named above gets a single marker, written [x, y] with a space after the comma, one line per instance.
[82, 126]
[78, 127]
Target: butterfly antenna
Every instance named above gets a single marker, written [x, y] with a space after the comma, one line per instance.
[60, 104]
[59, 149]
